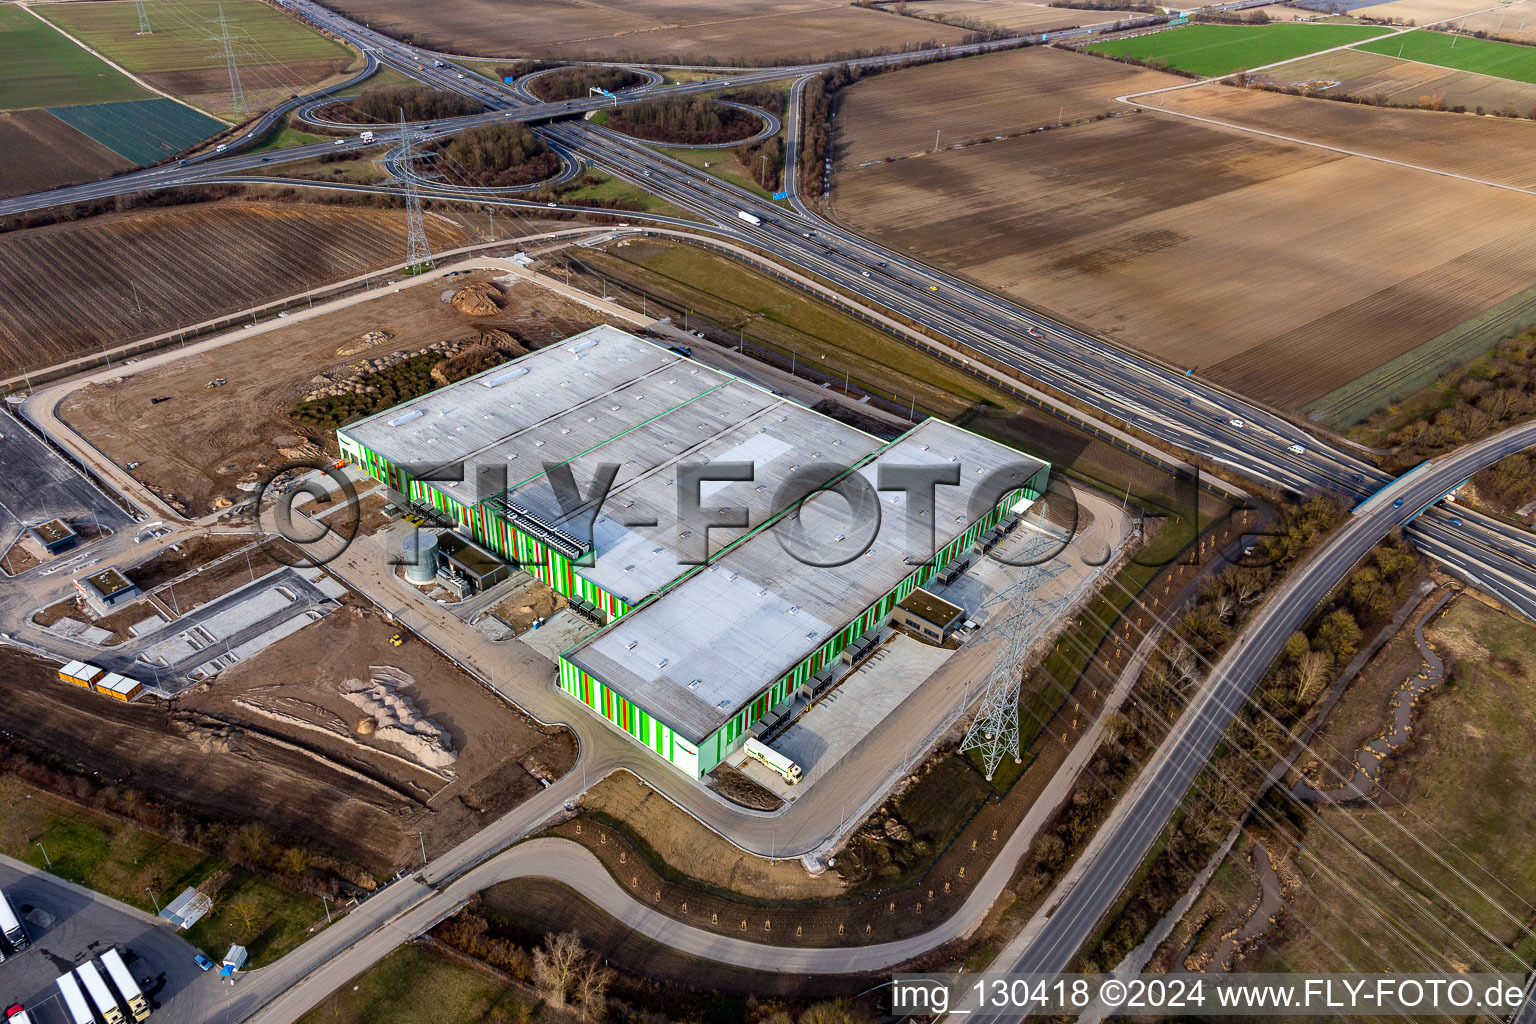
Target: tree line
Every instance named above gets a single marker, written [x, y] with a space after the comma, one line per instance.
[688, 121]
[385, 103]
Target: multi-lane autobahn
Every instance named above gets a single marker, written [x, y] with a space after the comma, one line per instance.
[1161, 401]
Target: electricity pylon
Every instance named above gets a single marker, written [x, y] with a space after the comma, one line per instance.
[236, 93]
[144, 29]
[418, 257]
[995, 731]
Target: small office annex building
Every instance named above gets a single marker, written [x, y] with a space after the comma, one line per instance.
[699, 643]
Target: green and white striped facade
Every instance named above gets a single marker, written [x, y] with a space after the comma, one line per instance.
[693, 654]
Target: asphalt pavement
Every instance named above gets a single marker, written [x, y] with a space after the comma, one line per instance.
[68, 923]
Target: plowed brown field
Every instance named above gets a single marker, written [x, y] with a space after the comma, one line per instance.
[897, 114]
[71, 289]
[1500, 149]
[1017, 15]
[693, 31]
[56, 154]
[1279, 269]
[201, 445]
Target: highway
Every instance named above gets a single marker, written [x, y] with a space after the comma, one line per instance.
[1163, 401]
[1073, 911]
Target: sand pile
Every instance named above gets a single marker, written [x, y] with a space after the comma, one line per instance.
[477, 299]
[392, 716]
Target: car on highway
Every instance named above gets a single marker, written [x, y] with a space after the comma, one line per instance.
[202, 962]
[933, 287]
[864, 272]
[1237, 423]
[1456, 522]
[1398, 503]
[1295, 449]
[341, 142]
[549, 204]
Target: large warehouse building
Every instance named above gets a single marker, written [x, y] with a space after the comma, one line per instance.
[693, 654]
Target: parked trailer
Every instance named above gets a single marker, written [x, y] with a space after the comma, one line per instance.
[117, 970]
[106, 1002]
[773, 759]
[749, 218]
[74, 1000]
[10, 925]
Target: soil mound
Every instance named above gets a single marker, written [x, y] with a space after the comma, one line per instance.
[477, 299]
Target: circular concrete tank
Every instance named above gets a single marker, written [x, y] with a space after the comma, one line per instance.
[420, 557]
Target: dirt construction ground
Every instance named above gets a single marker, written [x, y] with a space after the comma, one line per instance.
[73, 289]
[1279, 269]
[687, 31]
[302, 784]
[203, 443]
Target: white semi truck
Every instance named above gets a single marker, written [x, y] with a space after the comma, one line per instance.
[749, 218]
[773, 759]
[75, 1006]
[129, 989]
[10, 925]
[106, 1002]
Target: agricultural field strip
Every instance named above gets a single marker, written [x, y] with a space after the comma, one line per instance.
[1507, 53]
[1320, 145]
[135, 79]
[1135, 99]
[1447, 67]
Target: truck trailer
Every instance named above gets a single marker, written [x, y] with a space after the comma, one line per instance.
[74, 1000]
[749, 218]
[367, 136]
[117, 970]
[106, 1002]
[773, 759]
[10, 925]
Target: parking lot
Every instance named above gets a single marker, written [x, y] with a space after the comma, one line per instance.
[66, 924]
[41, 485]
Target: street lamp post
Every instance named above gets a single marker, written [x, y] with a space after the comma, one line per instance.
[46, 859]
[152, 899]
[327, 905]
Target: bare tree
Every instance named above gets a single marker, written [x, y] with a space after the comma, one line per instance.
[556, 965]
[1311, 676]
[592, 981]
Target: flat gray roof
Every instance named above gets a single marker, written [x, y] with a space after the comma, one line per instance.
[702, 650]
[607, 397]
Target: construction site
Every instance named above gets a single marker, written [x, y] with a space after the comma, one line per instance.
[703, 639]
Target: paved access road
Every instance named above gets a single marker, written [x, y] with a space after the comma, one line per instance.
[67, 923]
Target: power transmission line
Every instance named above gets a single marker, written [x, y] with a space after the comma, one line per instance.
[236, 93]
[144, 29]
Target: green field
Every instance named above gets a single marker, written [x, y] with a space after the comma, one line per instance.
[144, 131]
[1212, 50]
[392, 992]
[180, 33]
[44, 69]
[1484, 56]
[139, 867]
